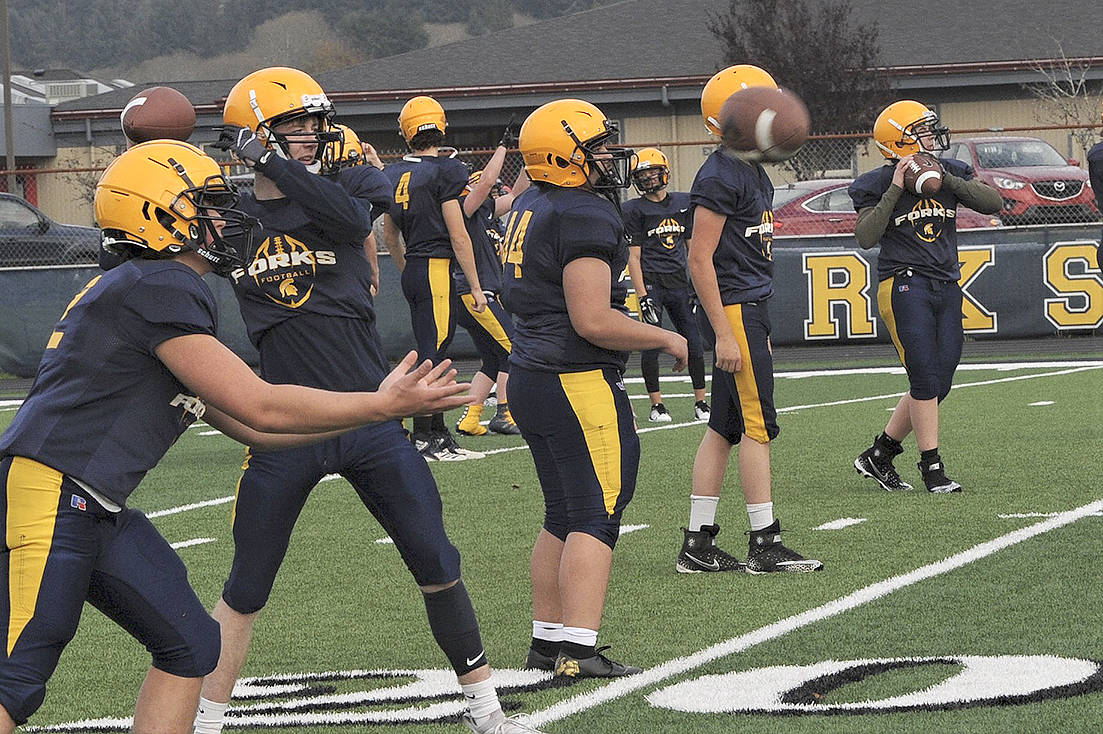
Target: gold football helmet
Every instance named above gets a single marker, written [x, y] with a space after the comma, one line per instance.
[164, 197]
[273, 96]
[645, 165]
[559, 143]
[724, 84]
[420, 114]
[344, 152]
[900, 126]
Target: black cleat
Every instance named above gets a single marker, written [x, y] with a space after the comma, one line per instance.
[502, 423]
[701, 410]
[700, 554]
[659, 414]
[767, 555]
[538, 661]
[876, 465]
[934, 476]
[568, 668]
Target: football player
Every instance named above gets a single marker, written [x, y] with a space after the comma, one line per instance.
[491, 330]
[565, 251]
[132, 363]
[919, 297]
[304, 297]
[424, 232]
[659, 229]
[731, 263]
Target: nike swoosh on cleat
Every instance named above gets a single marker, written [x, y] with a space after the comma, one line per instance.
[477, 658]
[714, 566]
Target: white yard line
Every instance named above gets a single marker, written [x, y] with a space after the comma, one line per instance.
[624, 686]
[193, 541]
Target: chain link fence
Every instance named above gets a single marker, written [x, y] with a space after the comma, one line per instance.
[1039, 172]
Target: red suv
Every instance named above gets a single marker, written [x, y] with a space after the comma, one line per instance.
[1038, 184]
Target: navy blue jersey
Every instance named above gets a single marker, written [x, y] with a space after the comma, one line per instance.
[661, 230]
[103, 409]
[483, 231]
[922, 234]
[420, 184]
[304, 292]
[549, 227]
[742, 192]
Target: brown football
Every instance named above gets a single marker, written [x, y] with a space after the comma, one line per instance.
[766, 124]
[923, 175]
[158, 112]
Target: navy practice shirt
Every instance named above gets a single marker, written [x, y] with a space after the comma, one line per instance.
[103, 408]
[661, 230]
[922, 234]
[420, 184]
[742, 192]
[548, 228]
[304, 291]
[482, 229]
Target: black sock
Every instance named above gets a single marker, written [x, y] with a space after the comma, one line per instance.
[890, 444]
[930, 456]
[578, 652]
[455, 628]
[438, 423]
[502, 408]
[423, 425]
[545, 647]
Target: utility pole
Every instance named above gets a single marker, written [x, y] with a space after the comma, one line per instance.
[9, 122]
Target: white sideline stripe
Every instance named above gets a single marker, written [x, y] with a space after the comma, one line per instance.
[625, 529]
[848, 401]
[1026, 515]
[624, 686]
[385, 541]
[193, 541]
[209, 433]
[842, 522]
[193, 506]
[1040, 402]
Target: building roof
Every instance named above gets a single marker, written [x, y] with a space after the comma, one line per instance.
[652, 43]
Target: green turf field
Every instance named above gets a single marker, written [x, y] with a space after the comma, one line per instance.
[976, 612]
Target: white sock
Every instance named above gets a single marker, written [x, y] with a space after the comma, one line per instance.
[761, 515]
[550, 631]
[580, 636]
[482, 700]
[208, 719]
[702, 511]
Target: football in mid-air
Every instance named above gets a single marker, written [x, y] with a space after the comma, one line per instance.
[923, 175]
[156, 113]
[763, 123]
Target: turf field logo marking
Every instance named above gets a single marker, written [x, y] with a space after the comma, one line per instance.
[800, 689]
[624, 686]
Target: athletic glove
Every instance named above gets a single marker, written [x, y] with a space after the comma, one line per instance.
[649, 312]
[243, 143]
[509, 134]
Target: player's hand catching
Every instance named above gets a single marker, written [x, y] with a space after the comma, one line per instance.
[898, 174]
[424, 389]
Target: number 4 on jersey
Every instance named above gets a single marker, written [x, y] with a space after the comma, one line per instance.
[516, 229]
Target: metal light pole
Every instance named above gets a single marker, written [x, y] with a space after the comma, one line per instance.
[9, 125]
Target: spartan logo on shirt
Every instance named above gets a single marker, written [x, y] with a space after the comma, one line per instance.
[765, 232]
[284, 269]
[668, 232]
[928, 218]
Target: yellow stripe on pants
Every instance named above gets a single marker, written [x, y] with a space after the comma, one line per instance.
[33, 492]
[754, 423]
[440, 289]
[488, 321]
[884, 305]
[592, 401]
